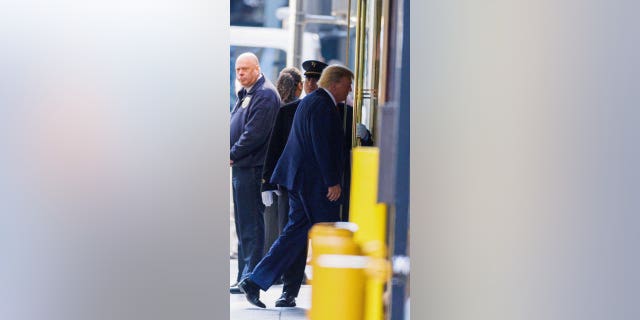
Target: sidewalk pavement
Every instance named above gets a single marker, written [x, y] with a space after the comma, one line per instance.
[241, 309]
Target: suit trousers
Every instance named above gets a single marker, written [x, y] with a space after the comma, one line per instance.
[248, 215]
[283, 209]
[276, 217]
[288, 253]
[271, 228]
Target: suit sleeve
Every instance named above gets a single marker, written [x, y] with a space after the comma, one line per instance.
[323, 151]
[257, 127]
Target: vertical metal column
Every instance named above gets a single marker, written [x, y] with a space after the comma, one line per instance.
[400, 253]
[395, 152]
[361, 10]
[375, 66]
[296, 29]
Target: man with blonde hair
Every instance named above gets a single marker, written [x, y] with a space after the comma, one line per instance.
[310, 169]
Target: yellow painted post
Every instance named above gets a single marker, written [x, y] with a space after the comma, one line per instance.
[338, 273]
[365, 211]
[371, 219]
[377, 272]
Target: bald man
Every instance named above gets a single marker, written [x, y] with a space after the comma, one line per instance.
[251, 121]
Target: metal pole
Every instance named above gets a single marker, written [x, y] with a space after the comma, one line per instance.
[296, 25]
[314, 18]
[346, 62]
[359, 66]
[375, 70]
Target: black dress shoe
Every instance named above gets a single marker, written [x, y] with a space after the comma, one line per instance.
[286, 301]
[233, 289]
[251, 292]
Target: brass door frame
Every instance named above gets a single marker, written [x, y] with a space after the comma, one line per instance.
[368, 60]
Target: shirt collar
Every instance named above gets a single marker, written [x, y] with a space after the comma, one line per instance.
[330, 95]
[248, 89]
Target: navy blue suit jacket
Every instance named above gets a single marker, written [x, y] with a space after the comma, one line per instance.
[312, 159]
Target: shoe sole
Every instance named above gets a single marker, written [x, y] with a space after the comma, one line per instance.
[282, 305]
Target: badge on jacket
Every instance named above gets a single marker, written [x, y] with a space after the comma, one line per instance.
[245, 102]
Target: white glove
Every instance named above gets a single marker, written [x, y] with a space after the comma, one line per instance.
[267, 197]
[362, 132]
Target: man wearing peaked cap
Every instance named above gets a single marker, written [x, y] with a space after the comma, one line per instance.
[312, 71]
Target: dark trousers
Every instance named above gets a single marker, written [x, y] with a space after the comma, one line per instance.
[283, 209]
[248, 214]
[344, 214]
[346, 190]
[276, 217]
[271, 228]
[288, 253]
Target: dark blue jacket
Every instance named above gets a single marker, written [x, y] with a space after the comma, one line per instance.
[277, 141]
[313, 158]
[251, 121]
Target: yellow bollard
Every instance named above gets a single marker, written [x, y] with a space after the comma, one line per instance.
[371, 219]
[365, 211]
[378, 272]
[337, 292]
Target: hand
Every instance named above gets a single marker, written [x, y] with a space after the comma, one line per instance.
[230, 162]
[267, 197]
[333, 193]
[362, 132]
